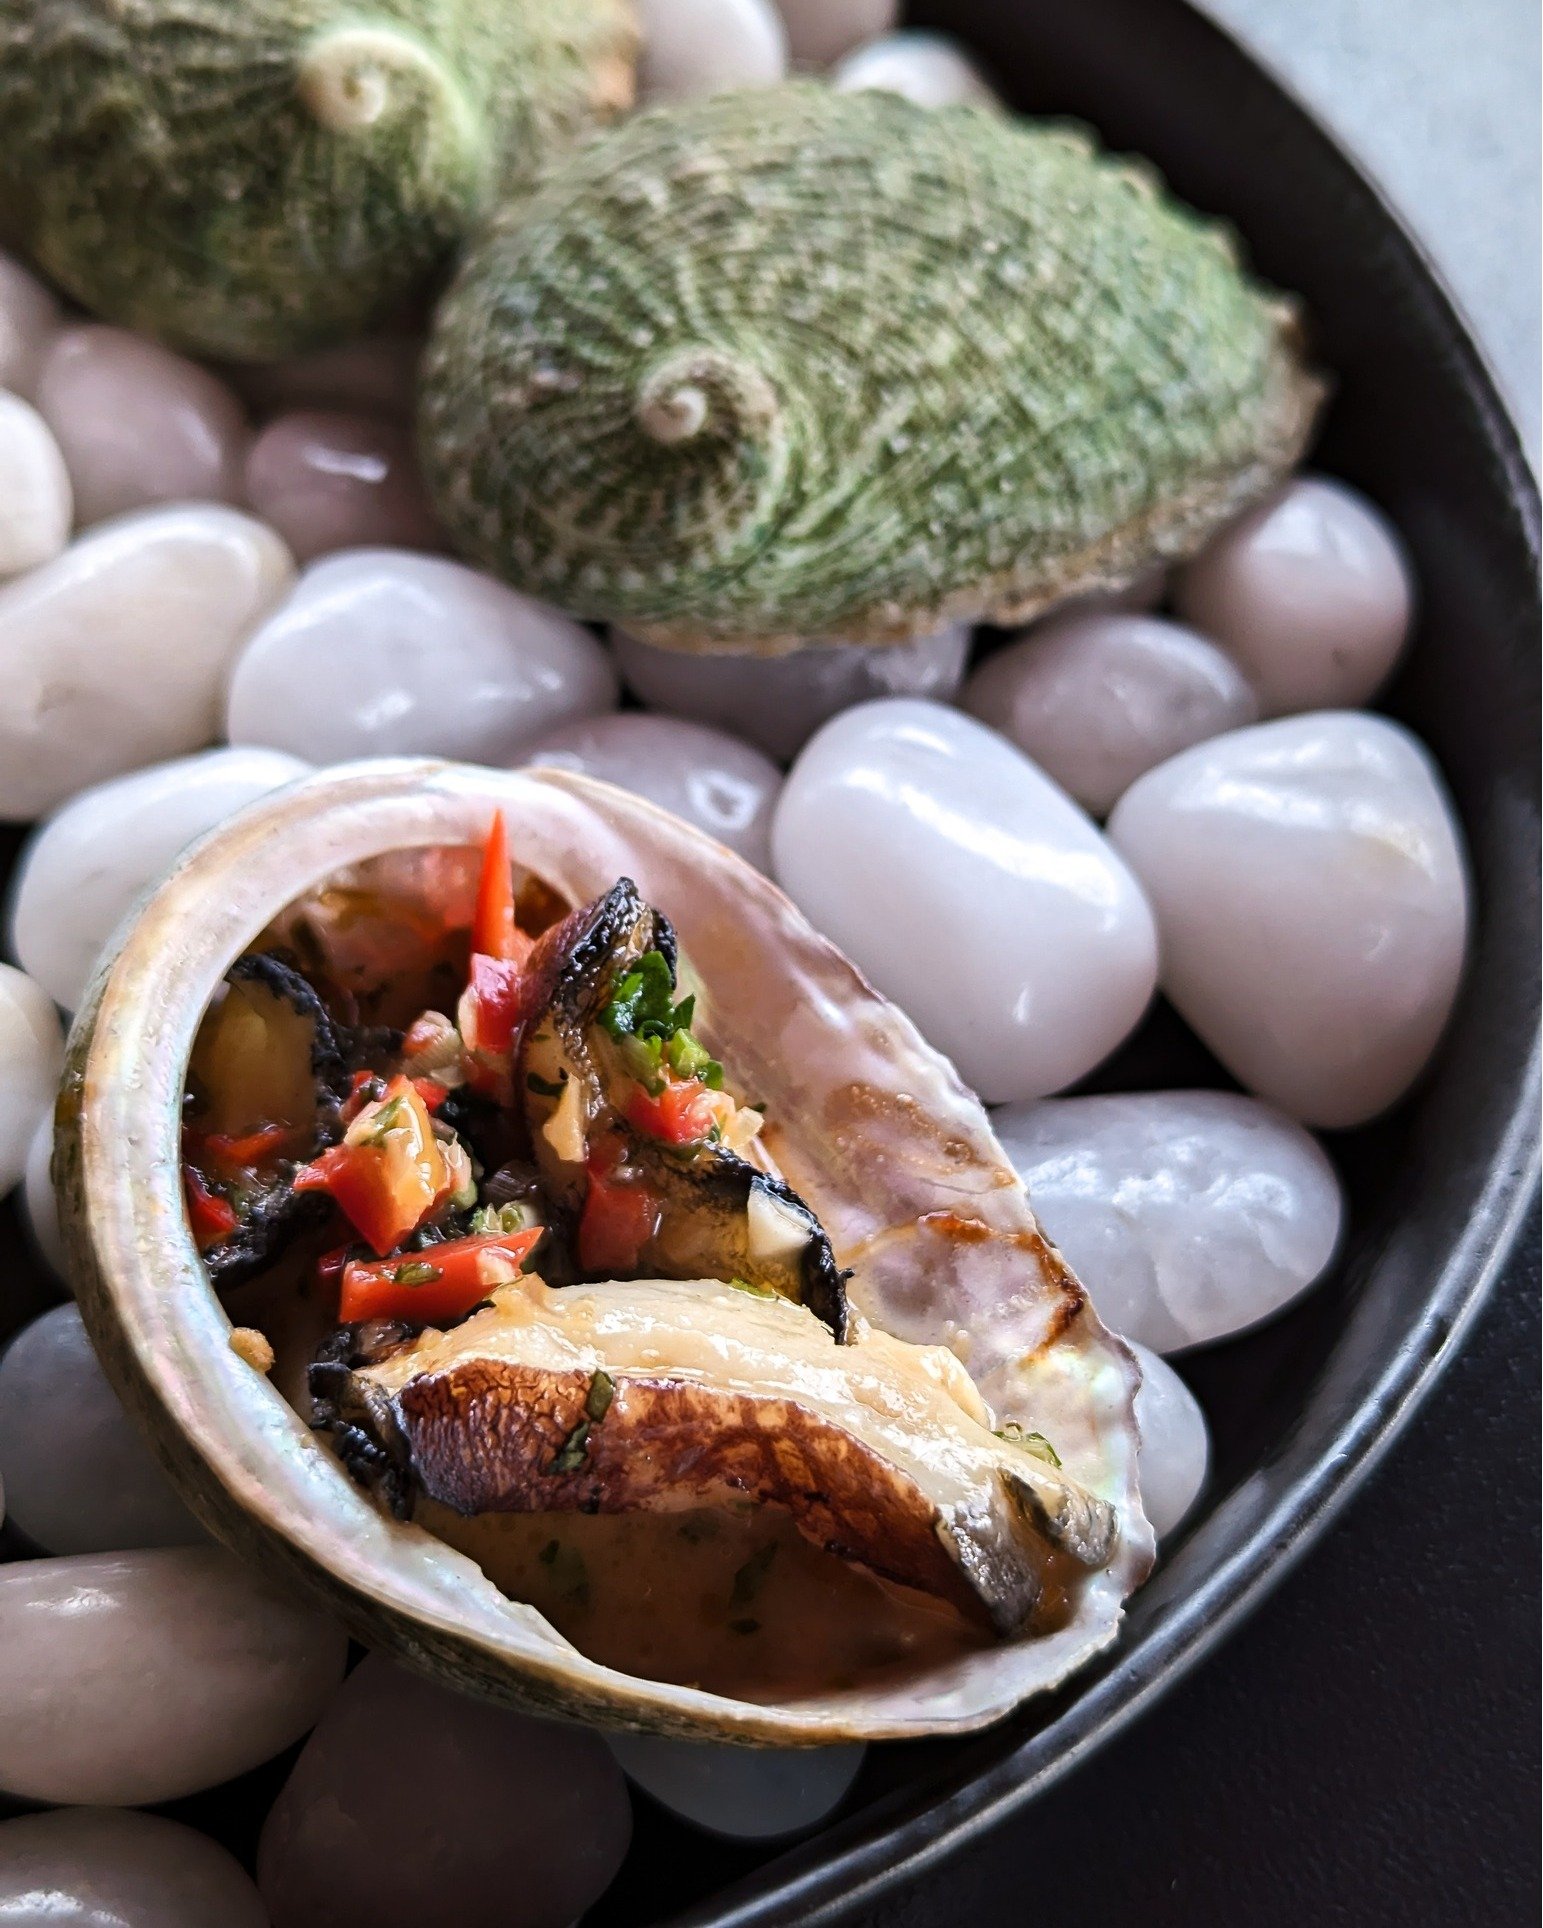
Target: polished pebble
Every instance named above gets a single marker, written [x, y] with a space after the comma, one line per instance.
[1097, 700]
[971, 890]
[115, 654]
[377, 377]
[330, 481]
[930, 69]
[1188, 1215]
[139, 424]
[86, 866]
[114, 1868]
[693, 47]
[132, 1678]
[39, 1207]
[80, 1477]
[407, 1796]
[30, 318]
[1312, 593]
[1312, 894]
[31, 1057]
[750, 1793]
[712, 780]
[820, 31]
[1175, 1450]
[35, 500]
[403, 654]
[778, 702]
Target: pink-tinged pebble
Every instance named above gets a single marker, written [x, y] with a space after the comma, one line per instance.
[328, 480]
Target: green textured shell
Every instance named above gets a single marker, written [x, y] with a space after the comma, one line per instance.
[246, 178]
[798, 363]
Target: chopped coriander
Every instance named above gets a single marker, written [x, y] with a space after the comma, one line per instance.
[602, 1391]
[383, 1121]
[1035, 1443]
[574, 1450]
[416, 1272]
[500, 1221]
[747, 1581]
[544, 1087]
[653, 1029]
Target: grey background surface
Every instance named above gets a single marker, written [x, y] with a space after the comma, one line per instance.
[1439, 102]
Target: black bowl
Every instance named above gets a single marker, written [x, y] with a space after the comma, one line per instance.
[1301, 1410]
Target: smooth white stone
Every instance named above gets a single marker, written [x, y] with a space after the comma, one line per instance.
[398, 654]
[1312, 593]
[421, 1806]
[39, 1207]
[139, 424]
[31, 1058]
[751, 1793]
[114, 655]
[35, 501]
[115, 1868]
[1188, 1215]
[30, 317]
[85, 867]
[694, 47]
[1175, 1449]
[1097, 700]
[712, 780]
[778, 702]
[1312, 893]
[378, 376]
[971, 890]
[930, 69]
[327, 481]
[820, 31]
[80, 1477]
[132, 1678]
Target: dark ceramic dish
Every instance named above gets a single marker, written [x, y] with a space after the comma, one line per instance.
[1301, 1410]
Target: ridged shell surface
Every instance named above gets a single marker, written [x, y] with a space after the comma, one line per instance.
[250, 177]
[795, 363]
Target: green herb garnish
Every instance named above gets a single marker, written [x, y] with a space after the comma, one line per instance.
[383, 1121]
[643, 1011]
[602, 1391]
[597, 1403]
[416, 1272]
[499, 1221]
[1035, 1443]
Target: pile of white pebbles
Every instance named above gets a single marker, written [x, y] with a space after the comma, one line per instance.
[209, 584]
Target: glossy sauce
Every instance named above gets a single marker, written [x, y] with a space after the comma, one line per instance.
[738, 1604]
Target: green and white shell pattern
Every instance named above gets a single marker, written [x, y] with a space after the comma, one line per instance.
[796, 363]
[246, 178]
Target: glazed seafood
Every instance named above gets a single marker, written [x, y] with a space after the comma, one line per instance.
[619, 1241]
[795, 363]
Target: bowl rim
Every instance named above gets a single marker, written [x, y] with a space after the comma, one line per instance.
[878, 1851]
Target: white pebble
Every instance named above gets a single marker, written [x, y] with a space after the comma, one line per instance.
[85, 867]
[139, 424]
[79, 1475]
[713, 781]
[132, 1678]
[396, 654]
[1098, 700]
[115, 1868]
[378, 376]
[929, 69]
[31, 1058]
[1311, 890]
[969, 889]
[694, 47]
[39, 1207]
[30, 317]
[751, 1793]
[35, 503]
[423, 1807]
[114, 655]
[1188, 1215]
[330, 481]
[820, 31]
[1312, 593]
[778, 702]
[1175, 1443]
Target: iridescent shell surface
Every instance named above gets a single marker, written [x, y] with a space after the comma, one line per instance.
[794, 363]
[870, 1124]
